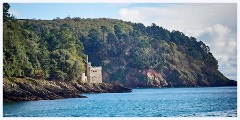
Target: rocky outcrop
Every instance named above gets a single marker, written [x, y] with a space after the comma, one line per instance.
[26, 89]
[154, 78]
[145, 78]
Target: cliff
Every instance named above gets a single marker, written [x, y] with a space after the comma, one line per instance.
[26, 89]
[130, 53]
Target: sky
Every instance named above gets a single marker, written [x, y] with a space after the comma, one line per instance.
[213, 23]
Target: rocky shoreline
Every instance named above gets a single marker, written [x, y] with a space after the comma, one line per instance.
[28, 89]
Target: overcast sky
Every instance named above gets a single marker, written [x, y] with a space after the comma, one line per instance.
[214, 24]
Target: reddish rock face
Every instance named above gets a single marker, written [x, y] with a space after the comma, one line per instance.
[138, 78]
[154, 78]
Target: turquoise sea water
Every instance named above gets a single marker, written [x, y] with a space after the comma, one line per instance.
[158, 102]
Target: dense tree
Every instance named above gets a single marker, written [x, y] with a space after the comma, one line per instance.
[104, 32]
[55, 49]
[6, 15]
[31, 50]
[15, 59]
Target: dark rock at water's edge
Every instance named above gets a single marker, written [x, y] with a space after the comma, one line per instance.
[232, 83]
[28, 89]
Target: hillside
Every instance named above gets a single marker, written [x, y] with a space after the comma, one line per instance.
[129, 53]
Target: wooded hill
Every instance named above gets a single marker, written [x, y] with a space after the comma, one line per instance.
[130, 53]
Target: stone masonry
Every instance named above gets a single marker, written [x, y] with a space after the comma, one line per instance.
[92, 74]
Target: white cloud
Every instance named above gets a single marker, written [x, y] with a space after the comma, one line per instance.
[133, 15]
[184, 16]
[214, 24]
[14, 13]
[223, 44]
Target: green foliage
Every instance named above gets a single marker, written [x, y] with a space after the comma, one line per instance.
[158, 32]
[65, 66]
[15, 59]
[31, 49]
[54, 49]
[6, 15]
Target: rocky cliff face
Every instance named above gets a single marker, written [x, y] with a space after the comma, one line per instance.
[155, 78]
[25, 89]
[145, 78]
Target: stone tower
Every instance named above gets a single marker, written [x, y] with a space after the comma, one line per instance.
[93, 74]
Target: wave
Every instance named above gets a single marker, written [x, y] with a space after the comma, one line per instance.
[229, 113]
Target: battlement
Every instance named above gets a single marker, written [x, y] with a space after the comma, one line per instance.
[95, 68]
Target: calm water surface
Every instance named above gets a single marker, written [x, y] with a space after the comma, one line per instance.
[162, 102]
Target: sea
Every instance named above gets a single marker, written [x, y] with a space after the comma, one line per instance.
[142, 102]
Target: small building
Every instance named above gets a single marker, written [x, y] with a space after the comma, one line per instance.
[92, 74]
[83, 78]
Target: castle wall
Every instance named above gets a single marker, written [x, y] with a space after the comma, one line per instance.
[88, 71]
[95, 75]
[92, 74]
